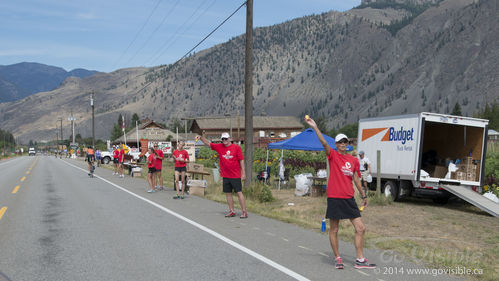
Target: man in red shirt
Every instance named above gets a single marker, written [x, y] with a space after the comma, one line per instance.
[343, 168]
[231, 169]
[181, 157]
[121, 160]
[159, 164]
[116, 160]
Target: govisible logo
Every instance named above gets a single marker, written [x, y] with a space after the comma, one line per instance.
[390, 135]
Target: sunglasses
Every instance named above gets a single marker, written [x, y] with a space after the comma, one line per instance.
[224, 139]
[343, 141]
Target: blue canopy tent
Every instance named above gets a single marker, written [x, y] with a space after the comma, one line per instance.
[306, 140]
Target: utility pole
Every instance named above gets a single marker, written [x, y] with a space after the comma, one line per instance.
[93, 120]
[248, 95]
[62, 140]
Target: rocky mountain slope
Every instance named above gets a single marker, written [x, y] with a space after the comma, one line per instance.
[382, 58]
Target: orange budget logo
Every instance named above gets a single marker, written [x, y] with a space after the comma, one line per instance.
[391, 134]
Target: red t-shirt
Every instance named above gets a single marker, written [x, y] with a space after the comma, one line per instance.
[182, 154]
[151, 161]
[229, 157]
[341, 171]
[159, 162]
[116, 154]
[122, 155]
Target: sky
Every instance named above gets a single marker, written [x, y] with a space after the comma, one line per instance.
[106, 35]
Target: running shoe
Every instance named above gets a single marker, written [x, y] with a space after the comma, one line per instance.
[338, 263]
[230, 215]
[244, 215]
[151, 191]
[176, 197]
[363, 264]
[181, 196]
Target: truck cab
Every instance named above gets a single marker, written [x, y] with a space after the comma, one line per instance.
[31, 151]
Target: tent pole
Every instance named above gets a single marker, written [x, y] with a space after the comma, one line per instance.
[266, 165]
[282, 154]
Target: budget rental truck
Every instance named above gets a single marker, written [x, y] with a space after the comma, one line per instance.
[428, 155]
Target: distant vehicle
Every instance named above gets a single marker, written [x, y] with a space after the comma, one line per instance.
[107, 156]
[32, 151]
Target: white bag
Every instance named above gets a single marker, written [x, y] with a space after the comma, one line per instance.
[491, 196]
[322, 173]
[303, 184]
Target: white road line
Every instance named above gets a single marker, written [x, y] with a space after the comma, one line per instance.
[305, 248]
[256, 228]
[270, 233]
[234, 244]
[322, 254]
[362, 273]
[284, 239]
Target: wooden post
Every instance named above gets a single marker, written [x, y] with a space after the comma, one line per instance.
[378, 172]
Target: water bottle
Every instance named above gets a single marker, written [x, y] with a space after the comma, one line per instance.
[323, 227]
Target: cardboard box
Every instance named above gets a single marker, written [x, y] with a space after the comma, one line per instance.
[136, 173]
[195, 167]
[440, 172]
[196, 190]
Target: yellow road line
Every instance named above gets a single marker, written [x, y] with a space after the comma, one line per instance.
[2, 211]
[27, 173]
[15, 189]
[23, 178]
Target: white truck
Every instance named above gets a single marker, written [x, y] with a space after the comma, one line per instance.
[107, 156]
[415, 153]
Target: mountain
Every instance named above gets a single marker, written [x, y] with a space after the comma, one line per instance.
[381, 58]
[20, 80]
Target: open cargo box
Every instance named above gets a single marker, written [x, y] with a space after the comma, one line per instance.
[443, 142]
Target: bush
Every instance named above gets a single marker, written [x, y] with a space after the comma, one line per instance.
[258, 191]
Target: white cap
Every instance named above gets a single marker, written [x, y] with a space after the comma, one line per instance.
[339, 137]
[225, 136]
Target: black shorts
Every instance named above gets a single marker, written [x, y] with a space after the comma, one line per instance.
[157, 170]
[115, 161]
[232, 184]
[341, 208]
[152, 170]
[181, 169]
[90, 158]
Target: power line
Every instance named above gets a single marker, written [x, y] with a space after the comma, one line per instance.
[138, 32]
[155, 30]
[162, 48]
[200, 42]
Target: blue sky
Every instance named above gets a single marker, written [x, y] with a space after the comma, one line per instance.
[106, 35]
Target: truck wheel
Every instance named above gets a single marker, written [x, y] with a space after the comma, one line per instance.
[106, 160]
[391, 190]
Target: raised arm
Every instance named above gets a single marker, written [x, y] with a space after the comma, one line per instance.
[323, 141]
[203, 139]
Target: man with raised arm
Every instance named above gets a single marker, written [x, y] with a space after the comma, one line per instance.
[232, 171]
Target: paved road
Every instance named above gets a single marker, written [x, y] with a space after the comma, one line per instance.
[56, 223]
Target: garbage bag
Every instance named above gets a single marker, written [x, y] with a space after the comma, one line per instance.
[303, 184]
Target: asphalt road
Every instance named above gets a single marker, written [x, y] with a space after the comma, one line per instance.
[56, 223]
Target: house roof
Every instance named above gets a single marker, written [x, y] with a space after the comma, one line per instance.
[259, 122]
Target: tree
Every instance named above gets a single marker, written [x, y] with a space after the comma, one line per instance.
[135, 118]
[457, 110]
[117, 128]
